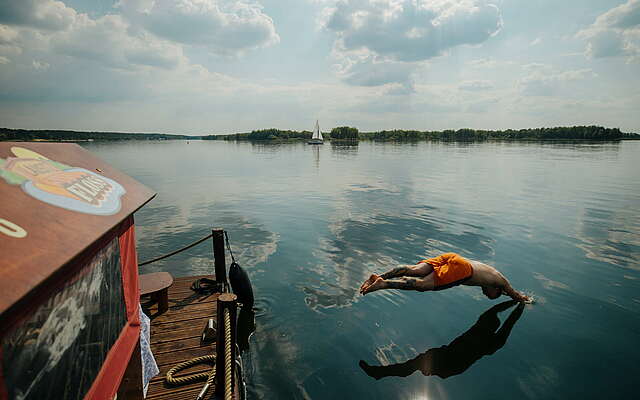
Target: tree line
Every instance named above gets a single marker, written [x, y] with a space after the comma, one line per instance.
[556, 133]
[7, 134]
[342, 133]
[398, 135]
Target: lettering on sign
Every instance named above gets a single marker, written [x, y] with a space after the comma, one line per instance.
[11, 229]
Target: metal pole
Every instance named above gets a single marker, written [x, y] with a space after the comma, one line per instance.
[226, 301]
[218, 256]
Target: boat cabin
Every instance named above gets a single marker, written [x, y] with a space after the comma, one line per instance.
[69, 297]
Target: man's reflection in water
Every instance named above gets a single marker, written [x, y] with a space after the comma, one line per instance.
[485, 337]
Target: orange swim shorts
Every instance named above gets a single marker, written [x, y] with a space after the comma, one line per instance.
[449, 269]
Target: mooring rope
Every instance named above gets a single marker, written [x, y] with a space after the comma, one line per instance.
[183, 380]
[177, 251]
[227, 355]
[208, 359]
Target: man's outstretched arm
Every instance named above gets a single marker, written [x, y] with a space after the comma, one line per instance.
[511, 292]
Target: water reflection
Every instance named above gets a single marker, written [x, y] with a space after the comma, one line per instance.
[246, 327]
[611, 236]
[344, 149]
[316, 156]
[373, 242]
[484, 338]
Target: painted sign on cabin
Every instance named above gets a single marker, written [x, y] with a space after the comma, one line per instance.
[61, 185]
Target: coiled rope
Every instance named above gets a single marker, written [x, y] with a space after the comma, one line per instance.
[183, 380]
[208, 359]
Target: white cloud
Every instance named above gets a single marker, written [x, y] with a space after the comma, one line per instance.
[615, 33]
[535, 42]
[383, 41]
[476, 85]
[223, 26]
[40, 65]
[107, 40]
[366, 70]
[7, 35]
[544, 80]
[41, 14]
[489, 63]
[411, 30]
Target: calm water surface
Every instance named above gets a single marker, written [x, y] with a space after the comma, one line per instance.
[309, 224]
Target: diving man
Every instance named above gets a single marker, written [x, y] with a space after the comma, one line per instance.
[443, 272]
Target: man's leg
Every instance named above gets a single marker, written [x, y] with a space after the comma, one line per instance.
[422, 269]
[418, 270]
[419, 284]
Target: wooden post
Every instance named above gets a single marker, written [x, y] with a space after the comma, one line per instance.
[218, 256]
[226, 301]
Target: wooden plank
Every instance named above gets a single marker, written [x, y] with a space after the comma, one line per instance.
[179, 325]
[178, 356]
[174, 345]
[175, 338]
[187, 313]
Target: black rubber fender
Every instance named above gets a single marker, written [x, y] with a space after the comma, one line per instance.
[241, 285]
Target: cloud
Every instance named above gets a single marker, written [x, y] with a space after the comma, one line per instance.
[544, 80]
[366, 70]
[535, 42]
[476, 85]
[489, 63]
[411, 30]
[224, 27]
[385, 41]
[615, 33]
[108, 41]
[41, 14]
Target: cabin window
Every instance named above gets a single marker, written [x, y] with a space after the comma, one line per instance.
[57, 351]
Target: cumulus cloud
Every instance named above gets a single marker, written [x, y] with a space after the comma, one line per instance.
[42, 14]
[544, 80]
[385, 40]
[411, 30]
[107, 40]
[51, 52]
[367, 70]
[615, 33]
[225, 27]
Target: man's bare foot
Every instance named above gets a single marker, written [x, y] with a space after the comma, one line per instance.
[376, 285]
[368, 282]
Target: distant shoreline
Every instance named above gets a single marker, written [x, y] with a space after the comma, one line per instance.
[575, 133]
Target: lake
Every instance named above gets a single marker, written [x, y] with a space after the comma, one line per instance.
[310, 223]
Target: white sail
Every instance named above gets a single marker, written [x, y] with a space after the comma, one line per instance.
[316, 132]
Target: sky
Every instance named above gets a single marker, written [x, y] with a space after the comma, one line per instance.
[217, 66]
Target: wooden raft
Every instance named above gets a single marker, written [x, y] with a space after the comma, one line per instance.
[175, 338]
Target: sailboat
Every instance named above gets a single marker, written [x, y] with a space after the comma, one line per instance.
[316, 138]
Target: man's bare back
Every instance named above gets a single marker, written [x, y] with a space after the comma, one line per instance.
[432, 275]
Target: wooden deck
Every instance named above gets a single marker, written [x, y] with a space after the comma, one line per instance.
[175, 337]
